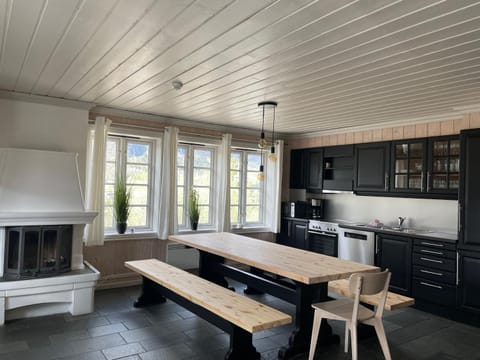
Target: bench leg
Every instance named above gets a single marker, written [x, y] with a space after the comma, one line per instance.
[151, 294]
[241, 347]
[250, 290]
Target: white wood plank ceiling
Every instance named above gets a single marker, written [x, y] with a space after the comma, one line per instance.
[330, 64]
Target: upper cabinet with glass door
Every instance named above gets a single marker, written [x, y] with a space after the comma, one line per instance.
[408, 166]
[444, 165]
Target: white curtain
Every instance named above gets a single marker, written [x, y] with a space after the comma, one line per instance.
[273, 187]
[168, 192]
[94, 189]
[223, 184]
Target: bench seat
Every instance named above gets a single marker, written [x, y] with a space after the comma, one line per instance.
[236, 314]
[394, 301]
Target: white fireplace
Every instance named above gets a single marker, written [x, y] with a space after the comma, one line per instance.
[42, 188]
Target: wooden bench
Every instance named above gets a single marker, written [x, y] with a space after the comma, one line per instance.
[394, 301]
[235, 314]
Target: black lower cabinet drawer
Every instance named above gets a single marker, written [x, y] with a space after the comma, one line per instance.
[434, 292]
[323, 247]
[434, 262]
[437, 275]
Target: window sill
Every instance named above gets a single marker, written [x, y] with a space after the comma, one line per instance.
[131, 236]
[252, 229]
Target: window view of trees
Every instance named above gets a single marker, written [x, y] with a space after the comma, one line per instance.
[195, 170]
[132, 160]
[246, 191]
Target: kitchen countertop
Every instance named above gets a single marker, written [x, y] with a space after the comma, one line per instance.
[420, 234]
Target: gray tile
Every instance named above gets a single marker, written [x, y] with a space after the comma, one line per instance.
[165, 340]
[69, 336]
[122, 351]
[13, 346]
[97, 343]
[175, 352]
[106, 329]
[94, 355]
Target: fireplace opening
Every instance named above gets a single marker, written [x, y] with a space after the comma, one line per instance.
[37, 251]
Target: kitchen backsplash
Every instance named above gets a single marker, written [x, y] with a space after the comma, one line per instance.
[432, 214]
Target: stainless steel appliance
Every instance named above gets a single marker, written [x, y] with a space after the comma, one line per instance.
[357, 245]
[323, 237]
[317, 208]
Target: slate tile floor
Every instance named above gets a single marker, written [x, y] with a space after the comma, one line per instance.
[116, 330]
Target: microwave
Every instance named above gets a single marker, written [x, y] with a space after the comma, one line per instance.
[294, 209]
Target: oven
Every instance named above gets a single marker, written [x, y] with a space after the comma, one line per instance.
[323, 237]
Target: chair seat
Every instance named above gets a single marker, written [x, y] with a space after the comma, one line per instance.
[342, 309]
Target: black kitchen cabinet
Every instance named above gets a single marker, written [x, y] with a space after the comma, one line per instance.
[314, 171]
[372, 167]
[469, 194]
[469, 281]
[408, 166]
[294, 232]
[395, 253]
[443, 165]
[298, 169]
[338, 168]
[434, 272]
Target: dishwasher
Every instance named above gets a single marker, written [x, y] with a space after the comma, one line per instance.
[357, 245]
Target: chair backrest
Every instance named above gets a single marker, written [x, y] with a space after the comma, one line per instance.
[370, 284]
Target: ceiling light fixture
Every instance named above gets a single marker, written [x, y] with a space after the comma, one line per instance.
[262, 142]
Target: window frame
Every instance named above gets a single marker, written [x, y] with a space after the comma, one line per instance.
[243, 224]
[121, 168]
[189, 168]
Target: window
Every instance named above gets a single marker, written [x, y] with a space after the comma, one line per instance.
[246, 191]
[195, 170]
[132, 160]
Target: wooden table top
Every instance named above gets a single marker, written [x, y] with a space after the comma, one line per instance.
[300, 265]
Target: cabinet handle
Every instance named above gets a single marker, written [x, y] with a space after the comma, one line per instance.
[421, 181]
[431, 272]
[431, 244]
[432, 252]
[458, 266]
[431, 285]
[431, 260]
[428, 181]
[386, 181]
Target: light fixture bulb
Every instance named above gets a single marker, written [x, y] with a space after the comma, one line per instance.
[260, 176]
[272, 157]
[262, 144]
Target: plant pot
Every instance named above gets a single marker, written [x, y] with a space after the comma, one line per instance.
[194, 225]
[121, 228]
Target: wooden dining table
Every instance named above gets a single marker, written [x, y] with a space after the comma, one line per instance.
[297, 276]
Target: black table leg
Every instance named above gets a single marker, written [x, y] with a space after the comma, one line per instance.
[250, 290]
[205, 269]
[151, 294]
[299, 341]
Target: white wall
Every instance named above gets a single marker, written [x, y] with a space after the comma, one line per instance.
[440, 215]
[44, 127]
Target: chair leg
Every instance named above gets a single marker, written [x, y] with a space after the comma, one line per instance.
[382, 338]
[347, 330]
[317, 321]
[353, 329]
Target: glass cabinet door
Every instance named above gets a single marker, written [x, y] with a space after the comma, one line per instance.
[408, 162]
[445, 165]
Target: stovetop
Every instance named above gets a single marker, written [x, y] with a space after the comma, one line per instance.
[323, 226]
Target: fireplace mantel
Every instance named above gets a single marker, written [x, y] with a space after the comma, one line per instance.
[46, 218]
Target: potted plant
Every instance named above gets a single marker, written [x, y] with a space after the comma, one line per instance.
[121, 205]
[193, 210]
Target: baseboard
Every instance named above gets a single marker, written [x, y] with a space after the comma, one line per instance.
[118, 280]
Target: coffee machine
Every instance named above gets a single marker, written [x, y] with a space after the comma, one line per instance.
[317, 207]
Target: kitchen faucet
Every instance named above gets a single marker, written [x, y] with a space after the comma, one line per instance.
[400, 221]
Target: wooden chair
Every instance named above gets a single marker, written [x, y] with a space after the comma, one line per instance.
[352, 312]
